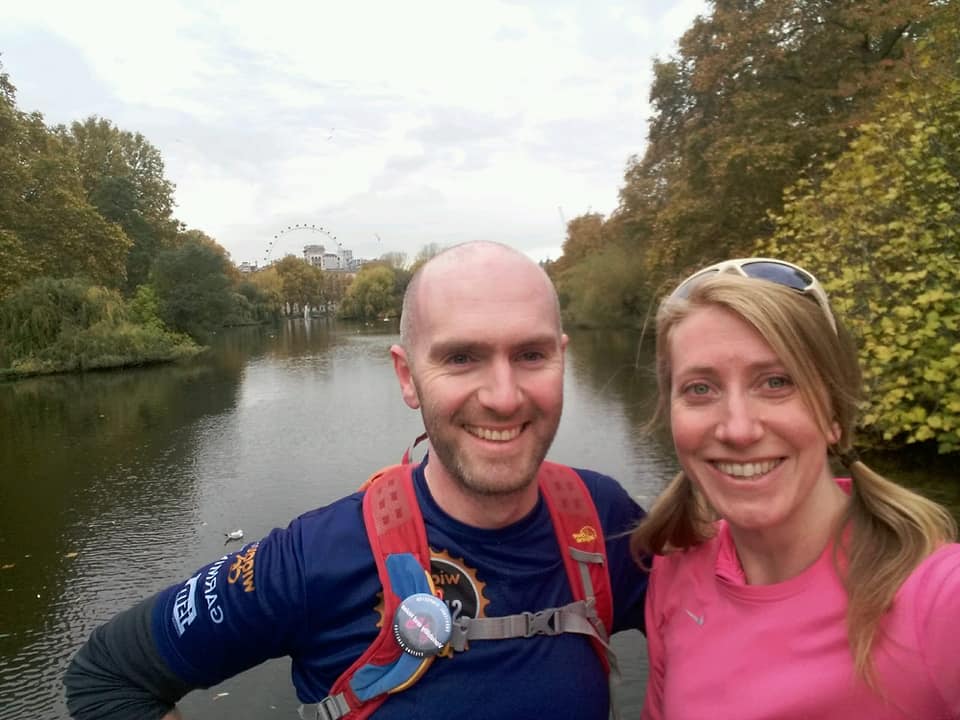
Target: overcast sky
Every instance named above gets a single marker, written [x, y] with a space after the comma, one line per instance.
[389, 124]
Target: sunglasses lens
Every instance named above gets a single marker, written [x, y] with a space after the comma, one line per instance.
[684, 288]
[778, 273]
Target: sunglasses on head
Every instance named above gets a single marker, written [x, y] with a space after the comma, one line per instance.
[776, 271]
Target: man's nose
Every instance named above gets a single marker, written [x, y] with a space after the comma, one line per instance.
[740, 422]
[500, 391]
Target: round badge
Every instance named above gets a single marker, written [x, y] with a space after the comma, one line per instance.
[422, 625]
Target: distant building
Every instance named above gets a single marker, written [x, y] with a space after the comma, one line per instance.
[246, 267]
[314, 255]
[341, 261]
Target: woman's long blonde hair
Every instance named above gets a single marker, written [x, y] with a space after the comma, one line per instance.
[891, 528]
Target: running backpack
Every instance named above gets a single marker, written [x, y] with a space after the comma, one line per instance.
[398, 539]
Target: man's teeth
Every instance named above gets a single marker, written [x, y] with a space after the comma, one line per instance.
[747, 469]
[494, 435]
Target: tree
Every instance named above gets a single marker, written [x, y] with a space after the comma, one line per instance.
[301, 282]
[881, 226]
[56, 325]
[123, 176]
[757, 91]
[193, 287]
[585, 237]
[371, 294]
[47, 226]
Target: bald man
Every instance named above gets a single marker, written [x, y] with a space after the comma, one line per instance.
[472, 584]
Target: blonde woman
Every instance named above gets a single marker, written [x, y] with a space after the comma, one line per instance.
[778, 591]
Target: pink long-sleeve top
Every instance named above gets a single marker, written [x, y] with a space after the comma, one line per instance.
[720, 648]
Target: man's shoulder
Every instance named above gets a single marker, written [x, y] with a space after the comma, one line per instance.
[342, 516]
[616, 509]
[602, 487]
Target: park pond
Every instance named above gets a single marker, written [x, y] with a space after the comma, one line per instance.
[117, 484]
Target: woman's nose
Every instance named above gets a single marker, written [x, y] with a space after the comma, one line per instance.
[740, 423]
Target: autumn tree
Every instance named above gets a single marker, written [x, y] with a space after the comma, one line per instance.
[371, 294]
[881, 227]
[301, 282]
[47, 226]
[756, 92]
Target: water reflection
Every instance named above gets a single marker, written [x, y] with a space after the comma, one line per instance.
[91, 477]
[608, 403]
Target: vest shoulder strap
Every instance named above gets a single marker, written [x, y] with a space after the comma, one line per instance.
[395, 526]
[582, 546]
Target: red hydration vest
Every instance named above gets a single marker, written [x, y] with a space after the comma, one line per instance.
[395, 525]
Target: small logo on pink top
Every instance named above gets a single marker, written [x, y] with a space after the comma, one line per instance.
[698, 619]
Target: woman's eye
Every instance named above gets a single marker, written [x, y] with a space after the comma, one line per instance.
[778, 382]
[698, 388]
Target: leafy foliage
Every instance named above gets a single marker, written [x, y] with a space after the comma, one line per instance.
[821, 132]
[883, 228]
[193, 287]
[52, 325]
[302, 284]
[122, 176]
[47, 225]
[371, 294]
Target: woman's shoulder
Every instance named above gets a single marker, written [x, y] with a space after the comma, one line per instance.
[942, 565]
[696, 556]
[934, 585]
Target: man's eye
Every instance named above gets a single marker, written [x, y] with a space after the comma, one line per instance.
[458, 359]
[531, 356]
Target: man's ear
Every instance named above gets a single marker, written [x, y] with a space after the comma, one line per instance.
[401, 366]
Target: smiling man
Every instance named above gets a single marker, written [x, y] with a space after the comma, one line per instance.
[484, 579]
[481, 356]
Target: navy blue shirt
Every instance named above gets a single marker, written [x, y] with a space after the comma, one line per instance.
[310, 591]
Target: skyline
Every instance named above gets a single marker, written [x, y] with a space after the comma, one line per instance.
[390, 126]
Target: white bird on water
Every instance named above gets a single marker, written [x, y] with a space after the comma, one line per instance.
[233, 535]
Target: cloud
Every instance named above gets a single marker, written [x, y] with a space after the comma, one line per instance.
[423, 121]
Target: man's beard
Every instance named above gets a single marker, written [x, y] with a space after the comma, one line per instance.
[487, 478]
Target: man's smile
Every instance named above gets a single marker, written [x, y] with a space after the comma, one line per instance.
[494, 434]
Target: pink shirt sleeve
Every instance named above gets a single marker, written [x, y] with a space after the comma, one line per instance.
[936, 592]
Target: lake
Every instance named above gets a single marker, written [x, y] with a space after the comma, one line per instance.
[117, 484]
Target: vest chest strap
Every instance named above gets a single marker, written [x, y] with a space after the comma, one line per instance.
[332, 707]
[576, 617]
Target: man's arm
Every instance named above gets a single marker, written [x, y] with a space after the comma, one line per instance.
[119, 674]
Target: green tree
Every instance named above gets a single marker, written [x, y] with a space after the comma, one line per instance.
[302, 284]
[882, 225]
[269, 286]
[123, 177]
[56, 325]
[193, 286]
[371, 294]
[47, 226]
